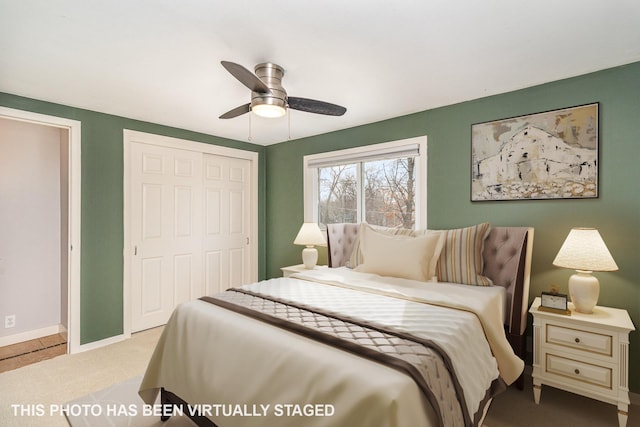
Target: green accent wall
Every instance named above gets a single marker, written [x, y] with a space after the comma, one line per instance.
[102, 207]
[616, 213]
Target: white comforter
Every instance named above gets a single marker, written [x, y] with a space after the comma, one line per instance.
[487, 306]
[203, 356]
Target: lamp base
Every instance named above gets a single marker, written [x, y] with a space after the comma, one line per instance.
[309, 257]
[584, 289]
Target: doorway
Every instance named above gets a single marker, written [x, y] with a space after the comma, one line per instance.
[42, 201]
[190, 224]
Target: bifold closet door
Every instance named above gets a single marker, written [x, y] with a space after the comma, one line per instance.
[190, 221]
[227, 222]
[166, 230]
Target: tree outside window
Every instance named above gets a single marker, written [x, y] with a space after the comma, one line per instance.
[385, 190]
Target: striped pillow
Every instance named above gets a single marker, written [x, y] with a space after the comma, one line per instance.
[461, 258]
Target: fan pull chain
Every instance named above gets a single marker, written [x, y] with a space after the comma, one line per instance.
[249, 138]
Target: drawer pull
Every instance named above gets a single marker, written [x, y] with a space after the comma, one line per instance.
[577, 340]
[577, 371]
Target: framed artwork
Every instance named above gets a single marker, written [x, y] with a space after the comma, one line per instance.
[549, 155]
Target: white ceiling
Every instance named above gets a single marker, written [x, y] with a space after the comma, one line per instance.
[159, 60]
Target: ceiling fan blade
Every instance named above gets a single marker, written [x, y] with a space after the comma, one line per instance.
[245, 77]
[238, 111]
[317, 107]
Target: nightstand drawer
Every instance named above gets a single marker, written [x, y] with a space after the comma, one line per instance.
[582, 340]
[586, 372]
[587, 354]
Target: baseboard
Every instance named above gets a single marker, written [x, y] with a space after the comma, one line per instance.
[32, 335]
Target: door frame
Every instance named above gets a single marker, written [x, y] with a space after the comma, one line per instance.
[73, 217]
[131, 136]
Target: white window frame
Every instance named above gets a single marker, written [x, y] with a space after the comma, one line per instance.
[359, 154]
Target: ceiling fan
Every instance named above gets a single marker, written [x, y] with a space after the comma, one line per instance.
[268, 97]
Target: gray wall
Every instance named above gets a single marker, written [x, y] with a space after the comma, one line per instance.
[30, 232]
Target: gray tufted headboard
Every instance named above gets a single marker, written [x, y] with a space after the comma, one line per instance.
[507, 262]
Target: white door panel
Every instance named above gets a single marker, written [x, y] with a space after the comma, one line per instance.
[166, 189]
[227, 187]
[213, 272]
[182, 278]
[190, 228]
[213, 211]
[237, 266]
[151, 205]
[152, 292]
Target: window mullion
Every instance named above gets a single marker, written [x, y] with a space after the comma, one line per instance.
[315, 188]
[360, 186]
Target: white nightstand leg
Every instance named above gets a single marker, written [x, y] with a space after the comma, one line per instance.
[557, 337]
[623, 414]
[537, 389]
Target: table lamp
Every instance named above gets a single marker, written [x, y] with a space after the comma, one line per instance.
[584, 251]
[310, 236]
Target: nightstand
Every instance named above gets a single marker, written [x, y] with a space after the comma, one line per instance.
[288, 271]
[586, 354]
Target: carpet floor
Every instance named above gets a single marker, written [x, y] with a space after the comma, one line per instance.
[118, 406]
[31, 395]
[111, 375]
[513, 408]
[516, 408]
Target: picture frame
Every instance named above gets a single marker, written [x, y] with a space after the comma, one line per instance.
[554, 303]
[548, 155]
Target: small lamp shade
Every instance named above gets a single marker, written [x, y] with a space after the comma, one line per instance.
[585, 251]
[310, 236]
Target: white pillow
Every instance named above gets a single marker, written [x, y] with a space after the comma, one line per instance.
[356, 256]
[400, 256]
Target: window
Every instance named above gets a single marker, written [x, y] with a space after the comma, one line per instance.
[381, 184]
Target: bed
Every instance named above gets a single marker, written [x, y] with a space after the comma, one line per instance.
[410, 349]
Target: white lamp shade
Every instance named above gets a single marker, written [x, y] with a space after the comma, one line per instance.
[584, 250]
[310, 235]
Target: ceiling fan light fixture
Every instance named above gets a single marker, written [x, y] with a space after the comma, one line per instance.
[269, 111]
[268, 98]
